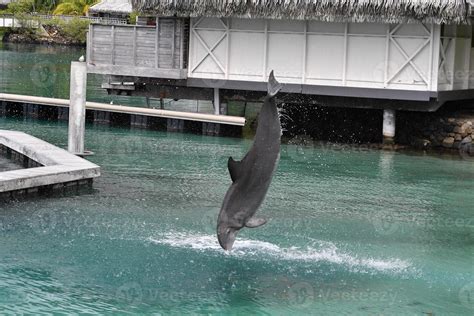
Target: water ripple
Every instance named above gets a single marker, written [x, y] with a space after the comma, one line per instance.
[319, 251]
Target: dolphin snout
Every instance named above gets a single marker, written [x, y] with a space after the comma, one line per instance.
[226, 237]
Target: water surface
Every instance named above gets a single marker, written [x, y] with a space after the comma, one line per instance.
[350, 232]
[43, 70]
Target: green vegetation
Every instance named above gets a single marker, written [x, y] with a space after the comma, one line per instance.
[132, 19]
[31, 6]
[74, 7]
[58, 7]
[53, 30]
[74, 31]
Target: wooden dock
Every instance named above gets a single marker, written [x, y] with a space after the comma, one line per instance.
[56, 165]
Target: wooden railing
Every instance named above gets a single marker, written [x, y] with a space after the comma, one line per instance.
[11, 21]
[140, 51]
[92, 19]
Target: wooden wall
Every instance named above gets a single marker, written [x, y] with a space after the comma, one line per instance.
[149, 51]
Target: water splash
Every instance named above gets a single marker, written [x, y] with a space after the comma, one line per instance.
[317, 252]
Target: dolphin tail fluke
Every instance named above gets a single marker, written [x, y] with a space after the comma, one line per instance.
[273, 85]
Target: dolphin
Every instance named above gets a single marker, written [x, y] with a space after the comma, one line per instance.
[252, 176]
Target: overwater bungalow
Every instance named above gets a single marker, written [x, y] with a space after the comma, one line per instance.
[120, 9]
[406, 54]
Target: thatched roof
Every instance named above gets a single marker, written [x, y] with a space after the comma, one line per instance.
[112, 6]
[388, 11]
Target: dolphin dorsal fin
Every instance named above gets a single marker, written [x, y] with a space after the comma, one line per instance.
[234, 169]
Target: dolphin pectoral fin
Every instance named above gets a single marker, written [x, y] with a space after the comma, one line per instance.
[234, 169]
[255, 222]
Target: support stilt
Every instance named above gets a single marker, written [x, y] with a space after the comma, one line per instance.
[217, 101]
[77, 108]
[389, 120]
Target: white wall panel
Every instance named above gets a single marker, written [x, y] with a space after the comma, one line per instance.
[325, 27]
[285, 56]
[367, 28]
[338, 54]
[285, 26]
[366, 55]
[324, 55]
[246, 47]
[247, 24]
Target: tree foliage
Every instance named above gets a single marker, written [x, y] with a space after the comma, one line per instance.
[75, 30]
[30, 6]
[74, 7]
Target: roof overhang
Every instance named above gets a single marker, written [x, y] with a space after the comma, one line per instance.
[389, 11]
[112, 7]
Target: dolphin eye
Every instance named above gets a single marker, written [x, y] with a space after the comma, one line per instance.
[228, 231]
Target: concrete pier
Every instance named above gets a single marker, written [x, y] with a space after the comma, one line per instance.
[63, 114]
[3, 108]
[389, 120]
[30, 111]
[138, 121]
[101, 117]
[217, 101]
[211, 129]
[77, 108]
[174, 125]
[51, 165]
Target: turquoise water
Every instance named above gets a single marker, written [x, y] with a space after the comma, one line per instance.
[350, 232]
[43, 70]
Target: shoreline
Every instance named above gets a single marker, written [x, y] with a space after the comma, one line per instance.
[53, 31]
[17, 38]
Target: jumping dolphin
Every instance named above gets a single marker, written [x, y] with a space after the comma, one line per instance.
[252, 176]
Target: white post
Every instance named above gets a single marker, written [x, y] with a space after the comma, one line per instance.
[389, 119]
[77, 107]
[217, 101]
